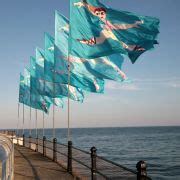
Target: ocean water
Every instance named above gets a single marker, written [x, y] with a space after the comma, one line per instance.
[158, 146]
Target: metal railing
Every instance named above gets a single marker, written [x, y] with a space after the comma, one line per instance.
[7, 163]
[80, 163]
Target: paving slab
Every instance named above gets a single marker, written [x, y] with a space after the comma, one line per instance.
[33, 165]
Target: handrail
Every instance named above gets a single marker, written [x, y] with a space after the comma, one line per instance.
[82, 161]
[81, 150]
[7, 164]
[116, 164]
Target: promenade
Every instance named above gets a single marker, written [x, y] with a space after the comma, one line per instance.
[33, 165]
[36, 158]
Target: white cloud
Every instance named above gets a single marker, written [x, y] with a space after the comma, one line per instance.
[171, 82]
[139, 84]
[157, 80]
[121, 86]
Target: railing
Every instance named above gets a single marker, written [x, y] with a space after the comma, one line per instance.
[85, 165]
[7, 163]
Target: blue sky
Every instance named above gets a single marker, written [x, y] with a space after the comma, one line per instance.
[152, 99]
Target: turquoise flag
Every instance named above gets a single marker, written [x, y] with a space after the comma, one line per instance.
[40, 81]
[97, 30]
[21, 89]
[57, 90]
[35, 99]
[80, 76]
[32, 74]
[39, 68]
[58, 102]
[39, 72]
[28, 98]
[103, 67]
[32, 66]
[59, 72]
[49, 89]
[49, 73]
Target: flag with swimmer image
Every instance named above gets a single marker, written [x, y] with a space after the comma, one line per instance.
[97, 31]
[108, 67]
[56, 69]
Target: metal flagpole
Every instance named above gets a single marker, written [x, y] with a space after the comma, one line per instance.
[54, 133]
[69, 159]
[43, 123]
[36, 133]
[36, 125]
[69, 164]
[30, 112]
[69, 139]
[30, 122]
[69, 76]
[23, 120]
[18, 119]
[44, 83]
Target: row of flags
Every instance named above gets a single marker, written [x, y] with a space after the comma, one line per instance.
[91, 46]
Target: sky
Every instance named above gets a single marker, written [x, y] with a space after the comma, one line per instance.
[152, 99]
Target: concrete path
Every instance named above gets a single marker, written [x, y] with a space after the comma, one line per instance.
[32, 165]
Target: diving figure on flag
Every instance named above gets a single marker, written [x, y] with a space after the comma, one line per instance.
[107, 26]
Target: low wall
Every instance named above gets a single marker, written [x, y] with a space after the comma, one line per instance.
[6, 158]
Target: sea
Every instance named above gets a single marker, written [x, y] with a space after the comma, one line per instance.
[159, 147]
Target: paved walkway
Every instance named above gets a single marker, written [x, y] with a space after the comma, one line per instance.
[32, 165]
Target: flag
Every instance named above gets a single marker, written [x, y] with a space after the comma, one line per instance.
[103, 67]
[28, 98]
[40, 81]
[21, 89]
[60, 69]
[55, 90]
[36, 100]
[97, 30]
[80, 76]
[49, 89]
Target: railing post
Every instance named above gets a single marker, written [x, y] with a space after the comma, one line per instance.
[44, 146]
[141, 170]
[69, 165]
[93, 163]
[23, 140]
[36, 144]
[29, 142]
[55, 149]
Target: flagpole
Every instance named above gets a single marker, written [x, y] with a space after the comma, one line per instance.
[44, 83]
[30, 112]
[43, 123]
[30, 115]
[54, 133]
[23, 120]
[68, 100]
[53, 120]
[69, 76]
[18, 119]
[36, 125]
[30, 121]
